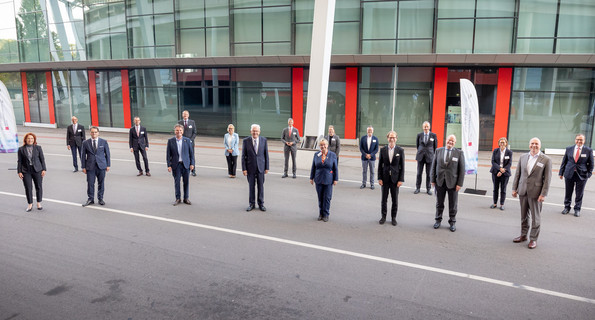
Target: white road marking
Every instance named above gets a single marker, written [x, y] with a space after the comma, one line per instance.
[329, 249]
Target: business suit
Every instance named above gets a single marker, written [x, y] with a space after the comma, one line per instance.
[446, 174]
[190, 133]
[232, 158]
[138, 140]
[324, 174]
[391, 171]
[180, 164]
[288, 135]
[502, 181]
[576, 173]
[334, 145]
[530, 186]
[95, 162]
[426, 147]
[31, 171]
[255, 164]
[74, 139]
[368, 163]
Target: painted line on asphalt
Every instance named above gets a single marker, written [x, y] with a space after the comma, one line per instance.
[342, 180]
[329, 249]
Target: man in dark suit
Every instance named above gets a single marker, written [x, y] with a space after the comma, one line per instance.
[447, 175]
[180, 160]
[255, 164]
[138, 141]
[334, 142]
[368, 146]
[189, 131]
[75, 135]
[576, 168]
[95, 161]
[426, 144]
[531, 183]
[290, 137]
[391, 175]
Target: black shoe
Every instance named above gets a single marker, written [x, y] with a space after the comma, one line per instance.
[177, 202]
[382, 220]
[372, 187]
[250, 207]
[29, 209]
[429, 192]
[89, 202]
[362, 186]
[502, 207]
[577, 213]
[416, 191]
[325, 219]
[437, 225]
[39, 208]
[453, 228]
[75, 170]
[493, 206]
[394, 222]
[101, 202]
[193, 174]
[294, 176]
[284, 176]
[262, 208]
[566, 210]
[186, 201]
[320, 217]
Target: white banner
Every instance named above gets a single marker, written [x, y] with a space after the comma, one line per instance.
[470, 125]
[9, 139]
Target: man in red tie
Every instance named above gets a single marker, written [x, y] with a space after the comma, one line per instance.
[189, 131]
[138, 141]
[576, 168]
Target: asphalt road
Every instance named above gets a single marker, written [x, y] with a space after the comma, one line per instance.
[138, 257]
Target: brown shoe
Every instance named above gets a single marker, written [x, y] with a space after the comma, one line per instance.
[186, 201]
[519, 239]
[140, 173]
[177, 202]
[148, 174]
[532, 244]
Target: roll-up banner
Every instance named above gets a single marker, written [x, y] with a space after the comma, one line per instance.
[469, 125]
[9, 139]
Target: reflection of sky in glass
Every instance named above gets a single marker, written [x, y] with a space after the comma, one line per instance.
[8, 29]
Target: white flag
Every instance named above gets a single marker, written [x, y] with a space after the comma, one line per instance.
[9, 139]
[470, 125]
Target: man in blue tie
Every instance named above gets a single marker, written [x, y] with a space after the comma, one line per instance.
[180, 161]
[255, 164]
[95, 161]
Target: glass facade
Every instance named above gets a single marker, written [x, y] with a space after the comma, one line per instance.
[71, 96]
[12, 81]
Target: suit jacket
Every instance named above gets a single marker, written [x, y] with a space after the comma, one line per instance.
[251, 161]
[426, 150]
[172, 156]
[583, 167]
[190, 131]
[496, 162]
[140, 141]
[452, 172]
[391, 171]
[293, 136]
[334, 144]
[75, 138]
[90, 158]
[235, 141]
[363, 147]
[37, 159]
[327, 172]
[535, 183]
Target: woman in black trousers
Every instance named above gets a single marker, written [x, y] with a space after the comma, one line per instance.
[31, 167]
[501, 161]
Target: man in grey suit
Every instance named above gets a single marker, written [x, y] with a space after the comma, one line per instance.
[290, 137]
[334, 142]
[189, 131]
[447, 175]
[255, 164]
[531, 183]
[75, 135]
[426, 144]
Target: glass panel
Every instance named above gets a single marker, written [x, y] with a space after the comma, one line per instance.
[414, 78]
[304, 10]
[189, 77]
[534, 45]
[190, 13]
[376, 77]
[335, 104]
[218, 42]
[493, 36]
[380, 20]
[165, 52]
[247, 24]
[414, 46]
[118, 45]
[161, 6]
[454, 36]
[156, 107]
[143, 52]
[98, 14]
[245, 3]
[62, 101]
[247, 49]
[164, 29]
[109, 99]
[117, 18]
[412, 109]
[378, 46]
[344, 41]
[12, 81]
[537, 18]
[29, 51]
[276, 49]
[140, 30]
[139, 7]
[490, 8]
[375, 110]
[456, 9]
[577, 19]
[217, 12]
[416, 19]
[276, 24]
[553, 79]
[192, 42]
[347, 10]
[303, 39]
[576, 46]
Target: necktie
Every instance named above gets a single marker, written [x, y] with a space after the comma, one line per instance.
[94, 145]
[137, 131]
[185, 123]
[447, 156]
[578, 153]
[255, 146]
[323, 158]
[425, 138]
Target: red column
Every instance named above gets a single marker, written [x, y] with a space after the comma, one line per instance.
[93, 98]
[25, 97]
[439, 103]
[51, 109]
[126, 98]
[502, 105]
[350, 103]
[297, 98]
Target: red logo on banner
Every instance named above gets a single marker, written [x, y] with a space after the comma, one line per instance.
[470, 143]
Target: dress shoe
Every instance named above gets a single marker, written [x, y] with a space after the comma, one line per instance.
[362, 186]
[493, 206]
[140, 173]
[436, 225]
[148, 174]
[320, 217]
[89, 202]
[394, 222]
[294, 176]
[566, 210]
[577, 213]
[193, 174]
[186, 201]
[101, 202]
[30, 208]
[325, 219]
[416, 191]
[262, 208]
[250, 207]
[75, 170]
[429, 192]
[177, 202]
[519, 239]
[284, 176]
[372, 187]
[39, 208]
[452, 228]
[532, 244]
[502, 207]
[382, 220]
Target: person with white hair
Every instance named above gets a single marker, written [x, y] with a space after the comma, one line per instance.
[255, 164]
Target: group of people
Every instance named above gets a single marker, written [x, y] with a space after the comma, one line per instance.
[444, 168]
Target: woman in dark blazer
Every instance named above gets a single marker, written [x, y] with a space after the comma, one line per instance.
[31, 167]
[501, 161]
[324, 173]
[231, 141]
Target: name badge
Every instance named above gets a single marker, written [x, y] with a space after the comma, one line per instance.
[142, 132]
[79, 130]
[431, 139]
[373, 140]
[506, 157]
[294, 133]
[539, 164]
[189, 126]
[398, 155]
[319, 154]
[333, 139]
[455, 159]
[583, 155]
